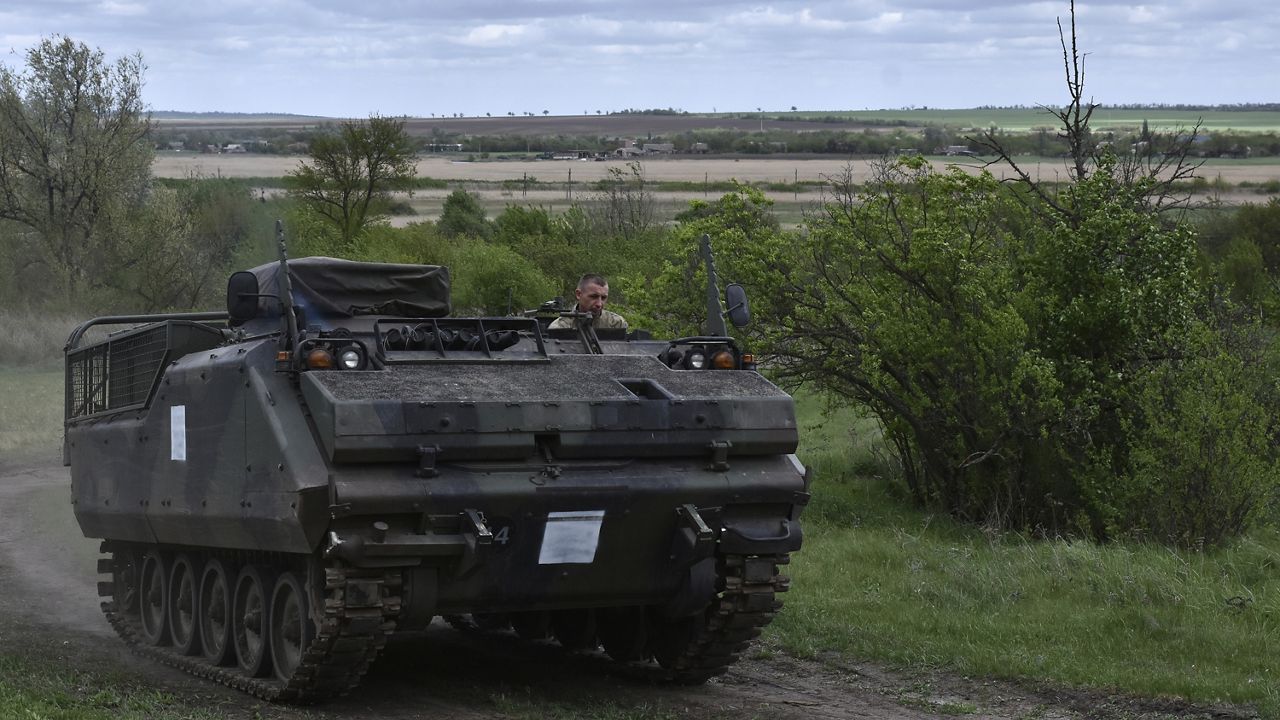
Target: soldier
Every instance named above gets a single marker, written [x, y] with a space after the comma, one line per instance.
[592, 294]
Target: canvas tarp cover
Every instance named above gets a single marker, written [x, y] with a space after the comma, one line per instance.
[330, 288]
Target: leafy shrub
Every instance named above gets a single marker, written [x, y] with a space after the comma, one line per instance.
[493, 280]
[1038, 363]
[669, 296]
[463, 216]
[1200, 465]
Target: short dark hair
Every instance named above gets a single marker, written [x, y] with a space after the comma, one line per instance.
[592, 279]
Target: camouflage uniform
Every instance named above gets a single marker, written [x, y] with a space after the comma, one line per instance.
[606, 321]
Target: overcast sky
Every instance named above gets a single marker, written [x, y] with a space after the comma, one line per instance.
[406, 57]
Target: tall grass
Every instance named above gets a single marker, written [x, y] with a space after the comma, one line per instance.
[877, 579]
[34, 339]
[31, 379]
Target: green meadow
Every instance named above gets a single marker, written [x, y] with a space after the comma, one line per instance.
[1027, 119]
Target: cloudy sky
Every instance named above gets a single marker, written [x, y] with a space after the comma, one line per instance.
[418, 57]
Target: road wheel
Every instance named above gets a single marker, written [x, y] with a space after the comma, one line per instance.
[181, 606]
[492, 622]
[575, 629]
[532, 625]
[215, 613]
[126, 572]
[249, 613]
[623, 632]
[291, 626]
[670, 639]
[153, 598]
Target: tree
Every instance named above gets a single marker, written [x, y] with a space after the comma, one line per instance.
[353, 173]
[74, 153]
[175, 249]
[1160, 169]
[463, 216]
[624, 206]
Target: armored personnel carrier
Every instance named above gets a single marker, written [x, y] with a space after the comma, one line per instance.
[281, 486]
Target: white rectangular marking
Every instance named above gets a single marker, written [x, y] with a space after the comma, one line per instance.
[571, 537]
[178, 433]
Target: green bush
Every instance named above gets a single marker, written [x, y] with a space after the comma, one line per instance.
[1040, 363]
[1200, 464]
[669, 296]
[493, 280]
[463, 216]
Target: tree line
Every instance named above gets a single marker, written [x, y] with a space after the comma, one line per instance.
[865, 141]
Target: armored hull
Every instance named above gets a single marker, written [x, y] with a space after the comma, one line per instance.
[275, 502]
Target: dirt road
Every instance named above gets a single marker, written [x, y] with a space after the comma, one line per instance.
[47, 571]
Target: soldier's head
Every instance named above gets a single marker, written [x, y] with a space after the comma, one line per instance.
[592, 294]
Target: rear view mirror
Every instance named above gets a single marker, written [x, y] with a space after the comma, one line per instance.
[242, 297]
[739, 310]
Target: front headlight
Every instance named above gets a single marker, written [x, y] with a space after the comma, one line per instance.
[351, 359]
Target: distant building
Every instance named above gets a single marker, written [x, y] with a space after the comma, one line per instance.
[234, 148]
[700, 148]
[658, 148]
[565, 155]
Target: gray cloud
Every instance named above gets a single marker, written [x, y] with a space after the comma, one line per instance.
[566, 56]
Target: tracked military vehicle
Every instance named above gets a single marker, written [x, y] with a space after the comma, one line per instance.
[281, 486]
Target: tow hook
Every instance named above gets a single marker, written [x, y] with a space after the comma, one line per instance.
[477, 524]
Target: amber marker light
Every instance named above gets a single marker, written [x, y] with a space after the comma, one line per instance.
[319, 359]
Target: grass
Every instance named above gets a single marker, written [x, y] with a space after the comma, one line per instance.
[31, 380]
[30, 409]
[34, 339]
[881, 581]
[37, 690]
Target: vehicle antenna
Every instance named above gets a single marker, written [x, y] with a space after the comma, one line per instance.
[715, 311]
[286, 292]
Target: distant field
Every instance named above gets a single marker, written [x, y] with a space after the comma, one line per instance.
[1022, 120]
[607, 126]
[678, 169]
[639, 125]
[560, 183]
